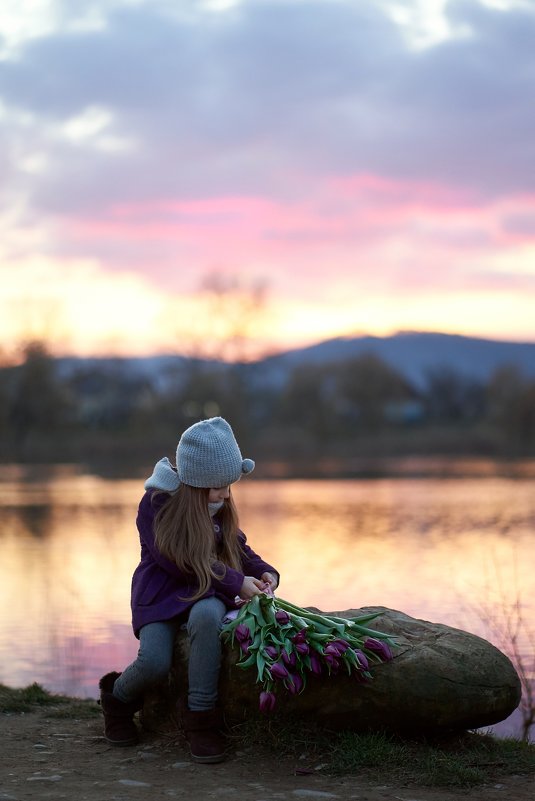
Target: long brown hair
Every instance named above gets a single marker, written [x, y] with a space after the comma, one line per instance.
[184, 533]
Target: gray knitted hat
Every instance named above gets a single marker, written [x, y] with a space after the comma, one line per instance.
[207, 456]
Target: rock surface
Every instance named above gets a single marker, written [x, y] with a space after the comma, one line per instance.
[441, 679]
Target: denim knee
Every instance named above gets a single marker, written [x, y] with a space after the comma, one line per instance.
[154, 665]
[206, 615]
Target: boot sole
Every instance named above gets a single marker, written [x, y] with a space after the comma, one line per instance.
[208, 760]
[122, 743]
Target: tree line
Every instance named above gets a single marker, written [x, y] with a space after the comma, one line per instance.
[339, 409]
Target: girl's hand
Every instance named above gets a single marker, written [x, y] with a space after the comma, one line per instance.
[251, 586]
[271, 580]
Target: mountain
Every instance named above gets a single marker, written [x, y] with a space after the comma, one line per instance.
[413, 354]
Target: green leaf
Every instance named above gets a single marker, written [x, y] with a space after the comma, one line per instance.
[288, 646]
[313, 635]
[257, 613]
[260, 665]
[266, 604]
[298, 621]
[248, 662]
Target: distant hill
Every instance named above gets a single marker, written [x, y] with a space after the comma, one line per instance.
[413, 354]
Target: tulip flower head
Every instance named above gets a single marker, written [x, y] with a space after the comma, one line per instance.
[278, 671]
[362, 660]
[300, 637]
[242, 633]
[315, 664]
[378, 647]
[341, 645]
[267, 701]
[282, 617]
[332, 650]
[289, 659]
[331, 661]
[294, 683]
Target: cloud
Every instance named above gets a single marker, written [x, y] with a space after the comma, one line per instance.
[521, 224]
[265, 97]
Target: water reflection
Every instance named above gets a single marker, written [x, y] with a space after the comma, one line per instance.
[450, 550]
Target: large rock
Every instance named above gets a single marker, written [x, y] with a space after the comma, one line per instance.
[440, 680]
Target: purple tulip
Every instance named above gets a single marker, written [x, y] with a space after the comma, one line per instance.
[362, 660]
[302, 648]
[336, 647]
[331, 650]
[267, 702]
[378, 647]
[271, 652]
[242, 633]
[294, 683]
[282, 617]
[278, 671]
[331, 661]
[342, 645]
[244, 645]
[289, 659]
[315, 664]
[300, 637]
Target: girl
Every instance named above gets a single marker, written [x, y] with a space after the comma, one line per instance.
[194, 564]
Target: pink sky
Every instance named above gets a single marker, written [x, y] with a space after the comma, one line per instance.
[370, 171]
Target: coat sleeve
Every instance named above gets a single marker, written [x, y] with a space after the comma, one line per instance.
[252, 565]
[230, 585]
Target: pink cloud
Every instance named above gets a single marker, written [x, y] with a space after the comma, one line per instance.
[342, 207]
[403, 234]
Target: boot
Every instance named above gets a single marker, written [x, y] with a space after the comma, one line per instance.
[119, 726]
[202, 730]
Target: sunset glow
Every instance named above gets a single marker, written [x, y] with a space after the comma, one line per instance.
[166, 165]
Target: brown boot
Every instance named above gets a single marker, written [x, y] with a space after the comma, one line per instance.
[203, 732]
[119, 726]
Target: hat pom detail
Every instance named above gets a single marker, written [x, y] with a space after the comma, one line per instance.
[247, 466]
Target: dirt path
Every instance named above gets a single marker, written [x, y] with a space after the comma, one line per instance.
[46, 758]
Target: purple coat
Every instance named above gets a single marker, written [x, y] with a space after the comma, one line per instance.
[159, 587]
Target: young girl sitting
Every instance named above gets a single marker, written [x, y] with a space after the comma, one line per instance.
[194, 563]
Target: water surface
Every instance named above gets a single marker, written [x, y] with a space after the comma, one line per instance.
[454, 550]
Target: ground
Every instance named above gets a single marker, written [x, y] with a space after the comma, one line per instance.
[43, 757]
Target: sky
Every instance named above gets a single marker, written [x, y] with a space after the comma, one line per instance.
[246, 176]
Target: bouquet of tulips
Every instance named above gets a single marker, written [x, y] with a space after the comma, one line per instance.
[285, 643]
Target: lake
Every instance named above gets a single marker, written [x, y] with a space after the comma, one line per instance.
[453, 549]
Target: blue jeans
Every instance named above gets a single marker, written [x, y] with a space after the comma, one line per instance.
[155, 656]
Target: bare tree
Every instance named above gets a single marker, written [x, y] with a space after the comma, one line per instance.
[233, 310]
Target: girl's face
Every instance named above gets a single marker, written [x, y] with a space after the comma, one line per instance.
[218, 494]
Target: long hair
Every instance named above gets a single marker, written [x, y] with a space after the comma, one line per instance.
[184, 534]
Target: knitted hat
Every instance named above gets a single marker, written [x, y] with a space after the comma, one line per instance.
[207, 456]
